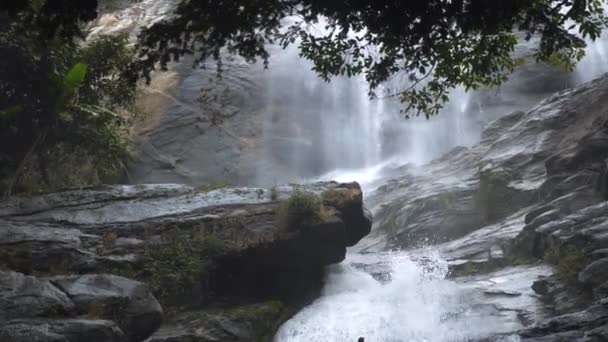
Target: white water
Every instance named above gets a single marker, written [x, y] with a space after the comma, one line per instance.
[417, 304]
[411, 307]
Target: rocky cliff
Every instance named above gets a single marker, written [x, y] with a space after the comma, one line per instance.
[532, 191]
[168, 262]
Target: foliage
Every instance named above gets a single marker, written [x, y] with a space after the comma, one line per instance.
[433, 45]
[210, 187]
[490, 199]
[178, 265]
[274, 193]
[569, 261]
[267, 317]
[336, 197]
[302, 208]
[65, 106]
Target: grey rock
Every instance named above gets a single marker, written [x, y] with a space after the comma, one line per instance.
[599, 253]
[537, 212]
[43, 247]
[595, 273]
[573, 325]
[536, 157]
[127, 302]
[251, 322]
[60, 330]
[24, 296]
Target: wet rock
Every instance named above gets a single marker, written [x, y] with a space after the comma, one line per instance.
[27, 297]
[599, 253]
[595, 273]
[573, 325]
[537, 212]
[496, 198]
[109, 222]
[560, 297]
[60, 330]
[42, 247]
[192, 245]
[552, 152]
[127, 302]
[251, 322]
[541, 287]
[492, 293]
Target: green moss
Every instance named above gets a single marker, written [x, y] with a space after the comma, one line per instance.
[266, 317]
[178, 268]
[391, 227]
[492, 196]
[568, 261]
[274, 194]
[336, 198]
[476, 267]
[272, 308]
[210, 187]
[522, 260]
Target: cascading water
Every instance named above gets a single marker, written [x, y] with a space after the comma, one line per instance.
[407, 300]
[413, 301]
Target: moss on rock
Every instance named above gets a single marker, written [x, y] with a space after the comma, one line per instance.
[492, 199]
[178, 268]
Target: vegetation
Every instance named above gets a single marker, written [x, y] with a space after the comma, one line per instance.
[181, 265]
[492, 197]
[267, 317]
[569, 262]
[210, 187]
[301, 209]
[433, 45]
[64, 108]
[274, 193]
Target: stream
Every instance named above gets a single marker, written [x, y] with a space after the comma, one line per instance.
[411, 300]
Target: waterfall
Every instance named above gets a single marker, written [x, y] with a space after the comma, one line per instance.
[322, 129]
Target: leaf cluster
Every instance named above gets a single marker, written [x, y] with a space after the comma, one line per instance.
[432, 46]
[61, 99]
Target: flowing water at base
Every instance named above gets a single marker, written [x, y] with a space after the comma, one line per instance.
[399, 297]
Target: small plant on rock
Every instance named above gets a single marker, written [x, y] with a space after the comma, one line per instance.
[568, 261]
[300, 210]
[274, 193]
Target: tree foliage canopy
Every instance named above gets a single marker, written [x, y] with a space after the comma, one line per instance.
[446, 43]
[59, 96]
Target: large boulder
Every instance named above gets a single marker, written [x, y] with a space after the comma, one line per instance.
[127, 302]
[186, 246]
[25, 296]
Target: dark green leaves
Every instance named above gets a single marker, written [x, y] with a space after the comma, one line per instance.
[465, 43]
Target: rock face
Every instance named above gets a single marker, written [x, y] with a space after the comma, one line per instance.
[533, 190]
[128, 302]
[24, 296]
[60, 330]
[90, 264]
[553, 150]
